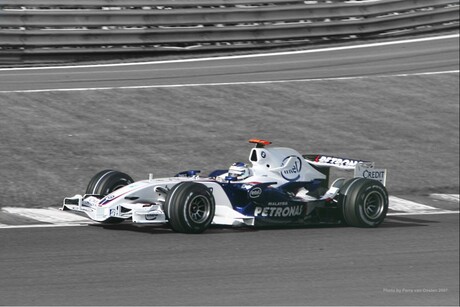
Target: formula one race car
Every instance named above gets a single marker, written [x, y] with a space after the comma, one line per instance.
[280, 188]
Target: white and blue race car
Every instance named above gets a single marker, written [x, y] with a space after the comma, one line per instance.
[278, 188]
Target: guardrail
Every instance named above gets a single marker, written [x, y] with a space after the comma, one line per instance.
[103, 26]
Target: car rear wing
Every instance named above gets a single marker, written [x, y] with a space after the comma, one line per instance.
[363, 169]
[330, 161]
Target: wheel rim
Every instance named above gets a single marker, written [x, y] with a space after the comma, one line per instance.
[199, 209]
[373, 205]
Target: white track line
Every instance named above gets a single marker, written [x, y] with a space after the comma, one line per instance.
[46, 215]
[54, 217]
[233, 57]
[229, 83]
[3, 226]
[399, 204]
[422, 213]
[454, 198]
[408, 207]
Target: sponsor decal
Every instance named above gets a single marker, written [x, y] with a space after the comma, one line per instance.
[364, 171]
[113, 212]
[255, 192]
[277, 203]
[377, 174]
[86, 204]
[278, 211]
[337, 161]
[106, 199]
[263, 154]
[90, 202]
[292, 171]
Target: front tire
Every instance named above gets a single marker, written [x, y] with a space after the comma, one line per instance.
[107, 181]
[364, 202]
[104, 183]
[189, 207]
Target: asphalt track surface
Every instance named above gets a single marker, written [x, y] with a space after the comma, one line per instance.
[409, 260]
[388, 58]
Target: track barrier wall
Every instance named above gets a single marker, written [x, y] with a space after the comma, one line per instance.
[118, 26]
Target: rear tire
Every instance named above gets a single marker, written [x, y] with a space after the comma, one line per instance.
[364, 202]
[104, 183]
[189, 207]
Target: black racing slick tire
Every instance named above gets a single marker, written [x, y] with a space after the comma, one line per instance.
[104, 183]
[189, 207]
[107, 181]
[364, 202]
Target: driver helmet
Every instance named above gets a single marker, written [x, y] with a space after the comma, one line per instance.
[239, 170]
